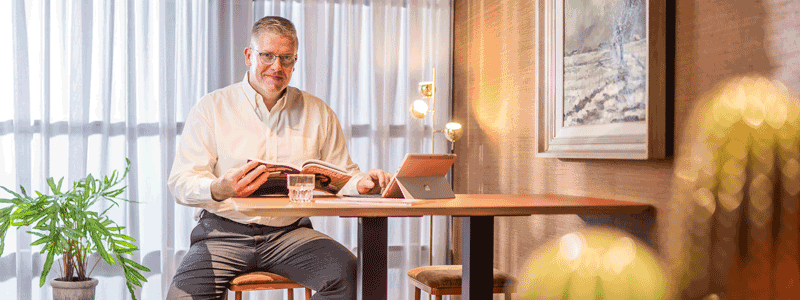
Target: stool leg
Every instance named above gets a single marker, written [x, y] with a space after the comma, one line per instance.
[238, 295]
[416, 293]
[308, 294]
[290, 294]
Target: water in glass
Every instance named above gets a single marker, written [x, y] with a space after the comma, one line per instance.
[301, 187]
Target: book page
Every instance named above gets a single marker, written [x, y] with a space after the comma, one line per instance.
[325, 164]
[329, 178]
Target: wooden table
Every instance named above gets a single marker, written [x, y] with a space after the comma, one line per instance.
[478, 228]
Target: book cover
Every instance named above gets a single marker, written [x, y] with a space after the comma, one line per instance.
[328, 177]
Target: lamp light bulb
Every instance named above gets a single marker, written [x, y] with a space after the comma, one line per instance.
[419, 109]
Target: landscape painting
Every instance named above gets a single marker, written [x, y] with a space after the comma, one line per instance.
[603, 77]
[605, 62]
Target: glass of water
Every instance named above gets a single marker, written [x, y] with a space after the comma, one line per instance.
[301, 187]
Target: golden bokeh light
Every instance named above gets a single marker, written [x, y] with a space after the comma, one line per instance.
[594, 263]
[737, 174]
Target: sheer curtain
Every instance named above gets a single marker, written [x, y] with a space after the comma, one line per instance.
[89, 83]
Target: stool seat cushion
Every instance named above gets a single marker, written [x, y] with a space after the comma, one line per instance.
[259, 278]
[449, 276]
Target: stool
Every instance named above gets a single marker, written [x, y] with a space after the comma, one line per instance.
[256, 281]
[446, 280]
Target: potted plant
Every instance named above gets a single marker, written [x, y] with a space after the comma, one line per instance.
[68, 223]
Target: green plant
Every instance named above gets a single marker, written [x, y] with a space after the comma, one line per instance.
[67, 223]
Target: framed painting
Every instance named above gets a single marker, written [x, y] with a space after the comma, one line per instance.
[601, 79]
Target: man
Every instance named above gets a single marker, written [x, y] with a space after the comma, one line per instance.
[260, 117]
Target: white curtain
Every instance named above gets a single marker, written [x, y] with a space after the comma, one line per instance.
[89, 83]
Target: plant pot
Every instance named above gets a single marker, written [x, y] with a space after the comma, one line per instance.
[73, 290]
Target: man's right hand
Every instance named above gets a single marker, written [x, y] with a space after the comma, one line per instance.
[239, 182]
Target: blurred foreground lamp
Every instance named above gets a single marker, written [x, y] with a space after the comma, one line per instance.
[736, 194]
[420, 109]
[594, 263]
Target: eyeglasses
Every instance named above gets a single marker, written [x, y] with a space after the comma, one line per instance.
[269, 58]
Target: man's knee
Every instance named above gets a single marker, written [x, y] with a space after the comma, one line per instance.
[342, 265]
[340, 281]
[336, 269]
[349, 267]
[201, 276]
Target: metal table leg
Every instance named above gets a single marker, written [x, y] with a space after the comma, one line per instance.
[372, 258]
[478, 253]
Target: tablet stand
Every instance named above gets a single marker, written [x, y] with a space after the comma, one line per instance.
[432, 187]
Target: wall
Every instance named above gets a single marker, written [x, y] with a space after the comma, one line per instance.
[493, 96]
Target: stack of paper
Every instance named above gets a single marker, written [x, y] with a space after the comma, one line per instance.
[367, 201]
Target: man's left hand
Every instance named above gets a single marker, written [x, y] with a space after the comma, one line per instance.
[374, 182]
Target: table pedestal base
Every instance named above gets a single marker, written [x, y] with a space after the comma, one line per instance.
[478, 254]
[372, 258]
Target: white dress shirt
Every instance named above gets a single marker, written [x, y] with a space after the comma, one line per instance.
[232, 124]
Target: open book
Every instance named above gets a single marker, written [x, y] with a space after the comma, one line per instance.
[329, 178]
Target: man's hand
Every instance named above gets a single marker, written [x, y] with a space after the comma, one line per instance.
[374, 183]
[239, 182]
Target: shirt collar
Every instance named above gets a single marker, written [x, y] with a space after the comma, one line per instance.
[256, 100]
[249, 91]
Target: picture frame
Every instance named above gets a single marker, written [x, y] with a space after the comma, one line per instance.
[615, 87]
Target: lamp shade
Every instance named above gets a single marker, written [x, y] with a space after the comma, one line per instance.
[426, 89]
[453, 131]
[419, 109]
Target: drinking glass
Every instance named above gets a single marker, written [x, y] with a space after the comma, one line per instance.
[301, 187]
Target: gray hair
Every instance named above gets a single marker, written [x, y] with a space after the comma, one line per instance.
[276, 25]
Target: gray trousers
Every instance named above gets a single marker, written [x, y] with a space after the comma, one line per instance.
[221, 249]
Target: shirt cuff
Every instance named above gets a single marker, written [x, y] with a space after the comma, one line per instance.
[204, 191]
[351, 188]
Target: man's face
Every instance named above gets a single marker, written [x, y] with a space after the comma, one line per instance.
[272, 78]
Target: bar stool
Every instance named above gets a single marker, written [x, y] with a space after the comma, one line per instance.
[446, 280]
[257, 281]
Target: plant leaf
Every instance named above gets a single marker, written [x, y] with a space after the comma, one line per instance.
[56, 190]
[126, 244]
[13, 193]
[37, 233]
[4, 223]
[125, 237]
[138, 266]
[100, 248]
[116, 228]
[131, 289]
[46, 268]
[100, 227]
[41, 240]
[73, 234]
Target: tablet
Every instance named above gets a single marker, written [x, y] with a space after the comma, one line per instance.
[419, 165]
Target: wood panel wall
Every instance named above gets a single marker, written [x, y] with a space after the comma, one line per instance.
[494, 82]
